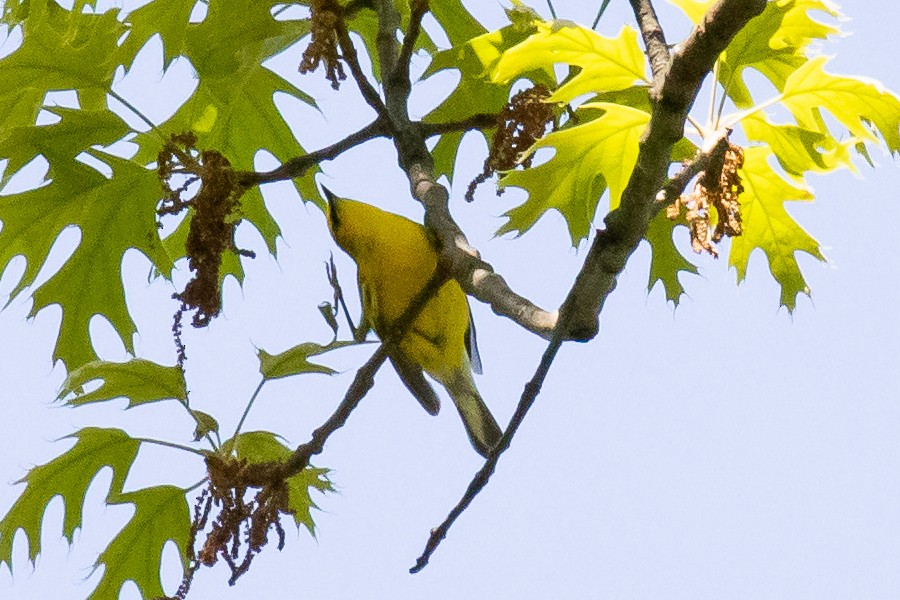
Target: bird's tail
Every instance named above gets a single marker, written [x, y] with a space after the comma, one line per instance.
[479, 422]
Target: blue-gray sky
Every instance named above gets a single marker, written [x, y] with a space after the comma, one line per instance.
[725, 449]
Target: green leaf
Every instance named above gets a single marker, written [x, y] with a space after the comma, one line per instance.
[113, 215]
[61, 50]
[588, 158]
[666, 261]
[170, 19]
[263, 446]
[768, 226]
[59, 143]
[233, 109]
[455, 20]
[799, 150]
[775, 43]
[67, 476]
[474, 93]
[607, 64]
[161, 514]
[140, 381]
[296, 360]
[206, 424]
[854, 101]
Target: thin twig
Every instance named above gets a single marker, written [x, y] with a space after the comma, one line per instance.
[256, 392]
[481, 478]
[654, 38]
[261, 474]
[368, 91]
[170, 445]
[297, 166]
[479, 121]
[600, 13]
[552, 9]
[418, 8]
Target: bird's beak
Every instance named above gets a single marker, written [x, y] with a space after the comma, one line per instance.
[332, 206]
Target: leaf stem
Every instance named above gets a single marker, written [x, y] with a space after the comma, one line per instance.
[552, 10]
[240, 424]
[600, 13]
[171, 445]
[137, 113]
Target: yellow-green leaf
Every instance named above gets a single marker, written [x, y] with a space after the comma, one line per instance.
[854, 101]
[769, 227]
[694, 9]
[775, 44]
[607, 64]
[588, 158]
[799, 150]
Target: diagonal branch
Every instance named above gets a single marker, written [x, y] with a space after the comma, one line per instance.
[297, 167]
[654, 38]
[262, 474]
[368, 91]
[532, 389]
[625, 227]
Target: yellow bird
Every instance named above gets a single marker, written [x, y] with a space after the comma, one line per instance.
[396, 258]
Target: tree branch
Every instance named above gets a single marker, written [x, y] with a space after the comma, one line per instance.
[261, 474]
[654, 38]
[418, 8]
[479, 121]
[625, 227]
[701, 162]
[532, 389]
[297, 166]
[368, 91]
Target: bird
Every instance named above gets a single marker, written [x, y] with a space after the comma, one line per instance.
[396, 258]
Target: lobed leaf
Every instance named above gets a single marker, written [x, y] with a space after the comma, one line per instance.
[161, 514]
[140, 381]
[233, 108]
[68, 476]
[775, 43]
[769, 227]
[295, 361]
[113, 215]
[264, 446]
[606, 64]
[588, 158]
[61, 50]
[854, 101]
[799, 150]
[474, 93]
[666, 261]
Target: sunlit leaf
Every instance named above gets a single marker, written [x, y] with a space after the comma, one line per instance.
[769, 227]
[775, 43]
[854, 101]
[607, 64]
[140, 381]
[588, 158]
